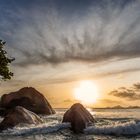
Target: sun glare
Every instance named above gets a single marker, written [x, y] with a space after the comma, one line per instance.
[86, 92]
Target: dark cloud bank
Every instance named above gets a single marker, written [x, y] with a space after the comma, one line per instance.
[37, 34]
[132, 93]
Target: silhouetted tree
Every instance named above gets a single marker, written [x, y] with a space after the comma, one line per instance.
[5, 73]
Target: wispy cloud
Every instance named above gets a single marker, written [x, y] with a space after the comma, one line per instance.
[41, 36]
[132, 93]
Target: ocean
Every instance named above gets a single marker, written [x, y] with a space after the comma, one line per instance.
[111, 124]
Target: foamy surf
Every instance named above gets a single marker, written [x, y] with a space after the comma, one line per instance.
[118, 129]
[30, 130]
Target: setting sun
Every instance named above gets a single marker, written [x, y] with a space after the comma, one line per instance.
[86, 92]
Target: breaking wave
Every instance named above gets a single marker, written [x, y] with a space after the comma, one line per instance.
[103, 126]
[127, 128]
[40, 129]
[117, 129]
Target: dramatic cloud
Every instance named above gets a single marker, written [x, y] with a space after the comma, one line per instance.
[41, 35]
[132, 93]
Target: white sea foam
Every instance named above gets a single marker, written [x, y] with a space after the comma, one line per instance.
[40, 129]
[128, 128]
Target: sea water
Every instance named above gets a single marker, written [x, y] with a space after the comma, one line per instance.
[111, 124]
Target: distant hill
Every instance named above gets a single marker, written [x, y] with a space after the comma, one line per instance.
[119, 107]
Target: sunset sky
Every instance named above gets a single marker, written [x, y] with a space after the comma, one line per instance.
[57, 44]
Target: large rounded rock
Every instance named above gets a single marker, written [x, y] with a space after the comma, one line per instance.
[19, 115]
[79, 117]
[28, 98]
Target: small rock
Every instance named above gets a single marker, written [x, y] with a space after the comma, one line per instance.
[79, 117]
[19, 115]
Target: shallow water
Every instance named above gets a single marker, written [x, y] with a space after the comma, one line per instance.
[116, 124]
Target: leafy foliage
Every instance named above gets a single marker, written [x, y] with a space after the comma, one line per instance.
[5, 73]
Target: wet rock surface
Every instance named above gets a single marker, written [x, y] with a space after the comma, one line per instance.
[79, 117]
